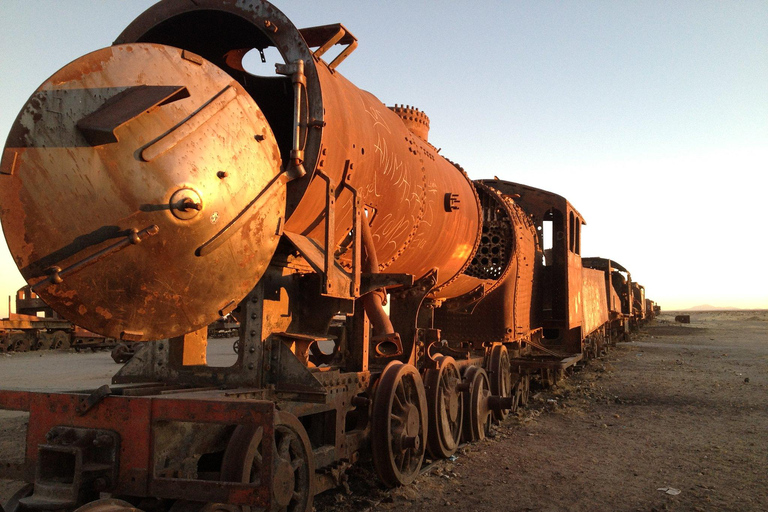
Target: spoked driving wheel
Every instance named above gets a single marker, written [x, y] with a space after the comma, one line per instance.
[44, 341]
[477, 413]
[445, 408]
[399, 424]
[502, 380]
[293, 465]
[60, 340]
[21, 341]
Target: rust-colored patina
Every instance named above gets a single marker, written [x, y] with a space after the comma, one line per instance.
[156, 186]
[98, 156]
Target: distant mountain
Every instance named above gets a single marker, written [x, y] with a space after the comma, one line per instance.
[707, 307]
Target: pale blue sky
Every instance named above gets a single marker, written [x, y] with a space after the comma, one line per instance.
[651, 117]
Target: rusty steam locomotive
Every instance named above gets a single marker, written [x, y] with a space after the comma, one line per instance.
[387, 303]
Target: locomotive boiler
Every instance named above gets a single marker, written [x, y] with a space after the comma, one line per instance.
[387, 303]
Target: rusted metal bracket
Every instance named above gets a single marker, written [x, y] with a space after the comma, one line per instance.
[158, 361]
[295, 166]
[56, 275]
[337, 282]
[325, 36]
[357, 246]
[289, 375]
[317, 258]
[404, 311]
[99, 127]
[370, 282]
[330, 229]
[88, 403]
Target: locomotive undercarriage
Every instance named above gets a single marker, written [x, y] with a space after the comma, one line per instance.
[310, 394]
[284, 422]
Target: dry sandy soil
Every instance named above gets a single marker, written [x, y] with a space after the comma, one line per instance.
[682, 407]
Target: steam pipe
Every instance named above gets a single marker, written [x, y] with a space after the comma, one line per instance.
[373, 302]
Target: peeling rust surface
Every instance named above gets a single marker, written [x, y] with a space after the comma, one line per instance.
[75, 192]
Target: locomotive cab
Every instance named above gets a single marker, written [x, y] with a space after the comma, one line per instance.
[558, 306]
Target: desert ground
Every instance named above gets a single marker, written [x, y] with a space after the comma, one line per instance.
[674, 420]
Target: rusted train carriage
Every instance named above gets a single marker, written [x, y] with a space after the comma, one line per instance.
[300, 205]
[650, 309]
[618, 286]
[638, 305]
[36, 326]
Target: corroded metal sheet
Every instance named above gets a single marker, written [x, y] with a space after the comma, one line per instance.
[595, 302]
[140, 211]
[402, 181]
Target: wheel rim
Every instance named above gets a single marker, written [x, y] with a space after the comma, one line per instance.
[293, 465]
[445, 407]
[107, 505]
[60, 340]
[13, 503]
[46, 341]
[21, 342]
[501, 378]
[477, 414]
[399, 426]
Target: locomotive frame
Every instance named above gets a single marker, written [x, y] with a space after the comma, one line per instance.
[478, 302]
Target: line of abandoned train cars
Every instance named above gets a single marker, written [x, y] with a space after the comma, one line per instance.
[301, 205]
[36, 326]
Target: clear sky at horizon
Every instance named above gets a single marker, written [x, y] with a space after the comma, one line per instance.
[651, 117]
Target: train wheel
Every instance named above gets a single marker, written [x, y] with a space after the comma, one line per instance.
[293, 465]
[399, 424]
[13, 504]
[21, 341]
[46, 341]
[502, 380]
[236, 346]
[196, 506]
[477, 413]
[445, 408]
[61, 340]
[107, 505]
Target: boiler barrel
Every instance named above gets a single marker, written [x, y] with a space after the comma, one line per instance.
[423, 210]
